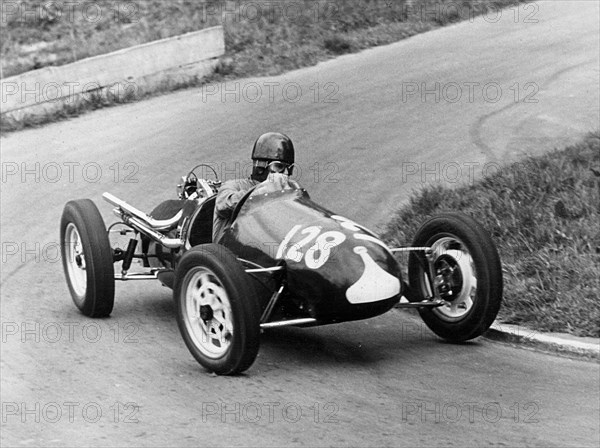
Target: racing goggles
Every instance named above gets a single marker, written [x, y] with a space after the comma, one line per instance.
[274, 167]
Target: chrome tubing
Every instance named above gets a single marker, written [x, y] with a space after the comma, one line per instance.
[169, 243]
[148, 221]
[411, 249]
[288, 323]
[151, 275]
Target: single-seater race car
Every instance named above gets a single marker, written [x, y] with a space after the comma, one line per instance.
[283, 260]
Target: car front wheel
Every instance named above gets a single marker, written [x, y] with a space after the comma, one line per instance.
[218, 312]
[467, 275]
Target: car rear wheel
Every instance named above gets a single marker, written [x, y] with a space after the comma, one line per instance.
[468, 276]
[218, 312]
[87, 258]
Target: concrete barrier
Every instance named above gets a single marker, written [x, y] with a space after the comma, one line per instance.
[193, 53]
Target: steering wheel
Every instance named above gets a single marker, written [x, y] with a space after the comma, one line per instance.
[202, 186]
[192, 171]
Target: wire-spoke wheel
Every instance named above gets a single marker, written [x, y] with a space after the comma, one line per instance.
[87, 258]
[217, 309]
[467, 274]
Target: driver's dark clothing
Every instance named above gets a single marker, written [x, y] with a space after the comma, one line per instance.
[229, 195]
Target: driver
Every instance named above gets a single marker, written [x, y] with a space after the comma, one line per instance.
[272, 155]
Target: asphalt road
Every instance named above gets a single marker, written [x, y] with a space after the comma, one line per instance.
[130, 381]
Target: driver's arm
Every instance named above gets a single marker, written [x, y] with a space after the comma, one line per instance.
[230, 194]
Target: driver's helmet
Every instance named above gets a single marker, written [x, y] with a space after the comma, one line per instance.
[272, 152]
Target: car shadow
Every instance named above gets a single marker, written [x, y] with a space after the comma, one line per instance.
[322, 345]
[359, 344]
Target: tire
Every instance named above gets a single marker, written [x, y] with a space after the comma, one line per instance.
[473, 276]
[218, 312]
[87, 258]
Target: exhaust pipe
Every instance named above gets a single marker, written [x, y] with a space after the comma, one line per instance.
[156, 224]
[143, 223]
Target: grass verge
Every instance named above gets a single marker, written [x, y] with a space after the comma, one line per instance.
[261, 38]
[544, 215]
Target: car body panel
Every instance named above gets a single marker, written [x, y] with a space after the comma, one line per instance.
[338, 269]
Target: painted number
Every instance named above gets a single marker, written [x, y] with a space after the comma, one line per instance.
[317, 254]
[294, 253]
[347, 223]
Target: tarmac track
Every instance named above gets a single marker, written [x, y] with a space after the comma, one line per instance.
[130, 381]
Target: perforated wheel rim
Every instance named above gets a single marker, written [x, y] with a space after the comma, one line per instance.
[202, 289]
[463, 300]
[75, 261]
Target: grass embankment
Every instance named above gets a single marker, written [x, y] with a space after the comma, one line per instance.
[268, 41]
[544, 215]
